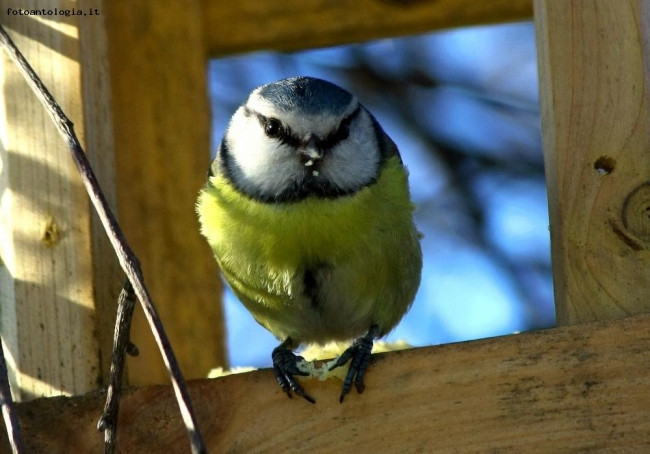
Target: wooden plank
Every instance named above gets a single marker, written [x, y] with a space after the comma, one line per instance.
[596, 131]
[162, 126]
[581, 388]
[99, 145]
[55, 279]
[251, 25]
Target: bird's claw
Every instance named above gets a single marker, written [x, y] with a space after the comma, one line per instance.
[360, 352]
[285, 366]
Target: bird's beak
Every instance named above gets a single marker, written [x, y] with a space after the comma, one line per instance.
[309, 151]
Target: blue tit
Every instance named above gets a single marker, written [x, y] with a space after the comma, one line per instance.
[308, 212]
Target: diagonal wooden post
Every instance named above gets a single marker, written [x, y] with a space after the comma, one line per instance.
[594, 64]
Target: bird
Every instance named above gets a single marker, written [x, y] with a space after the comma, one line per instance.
[308, 213]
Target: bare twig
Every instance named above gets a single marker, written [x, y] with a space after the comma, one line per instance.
[127, 259]
[121, 346]
[8, 408]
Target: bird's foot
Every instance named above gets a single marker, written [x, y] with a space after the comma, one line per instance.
[360, 352]
[285, 366]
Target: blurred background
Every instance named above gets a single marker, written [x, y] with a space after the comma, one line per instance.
[462, 106]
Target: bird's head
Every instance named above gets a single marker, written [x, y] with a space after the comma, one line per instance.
[301, 137]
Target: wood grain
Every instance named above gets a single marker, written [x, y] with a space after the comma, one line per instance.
[51, 251]
[594, 71]
[252, 25]
[162, 128]
[574, 389]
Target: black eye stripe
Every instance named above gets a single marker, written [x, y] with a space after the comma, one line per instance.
[286, 135]
[289, 139]
[341, 132]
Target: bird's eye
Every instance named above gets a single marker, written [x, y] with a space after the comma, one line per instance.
[273, 127]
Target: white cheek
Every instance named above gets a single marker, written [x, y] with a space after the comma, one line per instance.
[262, 164]
[355, 162]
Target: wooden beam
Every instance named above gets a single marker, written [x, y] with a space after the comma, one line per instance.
[596, 131]
[57, 282]
[251, 25]
[162, 126]
[574, 389]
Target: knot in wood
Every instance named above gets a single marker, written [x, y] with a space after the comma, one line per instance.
[636, 212]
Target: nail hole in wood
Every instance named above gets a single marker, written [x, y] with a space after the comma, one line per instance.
[605, 165]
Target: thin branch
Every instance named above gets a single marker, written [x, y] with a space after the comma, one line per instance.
[8, 407]
[127, 258]
[121, 346]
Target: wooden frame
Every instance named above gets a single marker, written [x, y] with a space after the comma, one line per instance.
[572, 388]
